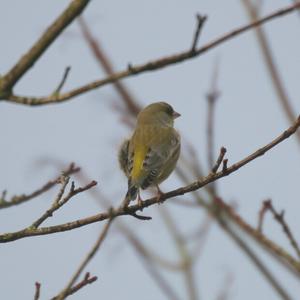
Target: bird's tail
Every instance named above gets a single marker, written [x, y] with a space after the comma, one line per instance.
[131, 193]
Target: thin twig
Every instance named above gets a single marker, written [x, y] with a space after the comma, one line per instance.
[219, 160]
[84, 282]
[150, 66]
[63, 80]
[16, 200]
[279, 217]
[37, 291]
[59, 201]
[200, 22]
[261, 216]
[282, 255]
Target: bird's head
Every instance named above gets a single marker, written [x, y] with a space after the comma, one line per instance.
[160, 113]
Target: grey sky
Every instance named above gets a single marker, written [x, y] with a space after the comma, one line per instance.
[87, 130]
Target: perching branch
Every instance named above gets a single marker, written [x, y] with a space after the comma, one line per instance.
[150, 66]
[272, 247]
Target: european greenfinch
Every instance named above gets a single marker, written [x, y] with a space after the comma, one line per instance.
[151, 154]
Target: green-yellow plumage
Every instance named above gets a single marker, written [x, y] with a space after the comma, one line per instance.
[151, 154]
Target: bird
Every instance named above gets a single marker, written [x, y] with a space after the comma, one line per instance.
[151, 154]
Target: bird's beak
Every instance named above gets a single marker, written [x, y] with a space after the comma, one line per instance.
[176, 115]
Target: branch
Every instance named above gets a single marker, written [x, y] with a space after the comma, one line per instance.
[8, 81]
[63, 81]
[200, 22]
[279, 217]
[16, 200]
[261, 216]
[219, 160]
[150, 66]
[268, 244]
[37, 291]
[273, 248]
[84, 282]
[59, 201]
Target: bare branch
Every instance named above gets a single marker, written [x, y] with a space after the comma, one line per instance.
[200, 22]
[84, 282]
[279, 217]
[15, 200]
[63, 81]
[261, 216]
[264, 241]
[37, 291]
[277, 252]
[150, 66]
[219, 160]
[8, 81]
[59, 202]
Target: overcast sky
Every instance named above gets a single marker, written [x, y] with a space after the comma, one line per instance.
[35, 142]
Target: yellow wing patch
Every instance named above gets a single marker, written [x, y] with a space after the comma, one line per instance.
[138, 160]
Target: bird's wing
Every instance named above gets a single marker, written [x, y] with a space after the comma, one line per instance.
[161, 148]
[152, 148]
[123, 157]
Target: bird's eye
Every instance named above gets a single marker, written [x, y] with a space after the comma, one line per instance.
[170, 110]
